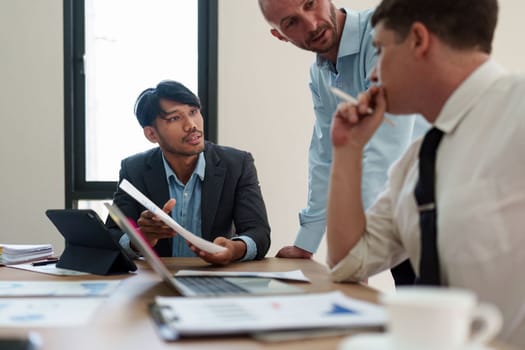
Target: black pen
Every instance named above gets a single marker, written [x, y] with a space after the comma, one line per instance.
[45, 262]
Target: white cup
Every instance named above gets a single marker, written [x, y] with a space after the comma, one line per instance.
[434, 318]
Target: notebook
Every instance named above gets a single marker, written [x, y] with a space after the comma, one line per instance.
[198, 286]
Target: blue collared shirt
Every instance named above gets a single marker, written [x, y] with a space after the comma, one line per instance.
[355, 62]
[187, 210]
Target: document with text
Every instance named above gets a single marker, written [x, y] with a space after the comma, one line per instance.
[186, 317]
[47, 312]
[91, 288]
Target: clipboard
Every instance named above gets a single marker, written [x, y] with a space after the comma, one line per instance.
[164, 330]
[169, 334]
[270, 319]
[89, 245]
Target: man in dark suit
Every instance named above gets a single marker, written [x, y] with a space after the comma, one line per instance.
[211, 190]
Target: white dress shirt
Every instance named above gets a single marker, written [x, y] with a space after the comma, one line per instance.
[480, 194]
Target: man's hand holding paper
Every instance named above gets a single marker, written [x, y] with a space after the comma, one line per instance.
[202, 244]
[152, 227]
[235, 250]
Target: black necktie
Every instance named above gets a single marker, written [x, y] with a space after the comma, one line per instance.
[424, 192]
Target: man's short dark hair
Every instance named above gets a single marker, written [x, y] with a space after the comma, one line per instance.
[147, 107]
[461, 24]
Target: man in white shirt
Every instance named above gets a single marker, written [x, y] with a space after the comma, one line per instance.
[434, 59]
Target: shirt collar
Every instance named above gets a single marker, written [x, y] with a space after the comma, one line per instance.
[349, 44]
[199, 168]
[467, 95]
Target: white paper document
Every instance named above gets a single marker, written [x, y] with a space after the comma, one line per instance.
[192, 317]
[90, 288]
[197, 241]
[50, 269]
[294, 275]
[47, 312]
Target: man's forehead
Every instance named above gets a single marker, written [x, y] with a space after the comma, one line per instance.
[170, 106]
[276, 10]
[275, 4]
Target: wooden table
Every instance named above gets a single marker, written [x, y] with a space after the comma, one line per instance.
[123, 321]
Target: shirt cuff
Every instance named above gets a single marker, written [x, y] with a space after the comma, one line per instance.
[309, 237]
[350, 268]
[251, 247]
[125, 244]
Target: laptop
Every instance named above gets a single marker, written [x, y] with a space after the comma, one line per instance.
[198, 286]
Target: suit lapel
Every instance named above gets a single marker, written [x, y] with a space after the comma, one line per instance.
[157, 190]
[155, 179]
[211, 189]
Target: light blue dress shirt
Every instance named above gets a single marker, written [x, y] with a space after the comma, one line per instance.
[355, 62]
[187, 211]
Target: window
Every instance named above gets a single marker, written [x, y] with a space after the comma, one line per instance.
[114, 49]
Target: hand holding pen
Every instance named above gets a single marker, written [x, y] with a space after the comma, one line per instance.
[354, 122]
[350, 99]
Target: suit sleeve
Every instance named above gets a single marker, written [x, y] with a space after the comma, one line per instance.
[250, 217]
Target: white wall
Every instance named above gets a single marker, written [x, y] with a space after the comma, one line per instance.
[264, 107]
[31, 112]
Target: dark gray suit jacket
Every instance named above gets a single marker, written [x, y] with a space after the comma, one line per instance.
[231, 202]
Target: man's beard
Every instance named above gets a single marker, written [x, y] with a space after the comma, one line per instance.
[332, 26]
[183, 153]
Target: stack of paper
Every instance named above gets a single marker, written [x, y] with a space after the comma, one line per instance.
[18, 253]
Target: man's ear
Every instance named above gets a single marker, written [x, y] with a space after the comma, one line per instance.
[151, 134]
[420, 39]
[278, 35]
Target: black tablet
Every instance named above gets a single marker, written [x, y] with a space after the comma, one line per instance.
[89, 246]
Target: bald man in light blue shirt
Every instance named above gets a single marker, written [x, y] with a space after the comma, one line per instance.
[342, 39]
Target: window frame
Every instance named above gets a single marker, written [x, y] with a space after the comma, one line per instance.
[76, 186]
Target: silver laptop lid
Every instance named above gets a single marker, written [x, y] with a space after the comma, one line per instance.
[141, 244]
